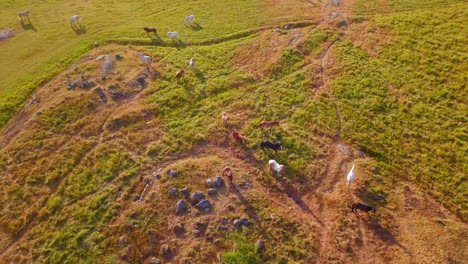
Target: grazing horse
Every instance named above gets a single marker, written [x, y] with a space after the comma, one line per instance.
[192, 63]
[172, 34]
[228, 174]
[362, 207]
[189, 18]
[271, 145]
[237, 136]
[144, 58]
[276, 166]
[180, 74]
[23, 14]
[269, 124]
[150, 30]
[350, 176]
[73, 20]
[225, 118]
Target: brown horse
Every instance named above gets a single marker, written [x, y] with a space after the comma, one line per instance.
[150, 30]
[180, 74]
[269, 124]
[237, 136]
[362, 207]
[228, 174]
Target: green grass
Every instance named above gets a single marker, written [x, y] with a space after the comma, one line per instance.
[406, 106]
[32, 57]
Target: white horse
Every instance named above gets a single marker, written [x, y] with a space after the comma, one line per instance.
[144, 58]
[74, 19]
[23, 14]
[192, 63]
[173, 34]
[350, 176]
[189, 18]
[276, 166]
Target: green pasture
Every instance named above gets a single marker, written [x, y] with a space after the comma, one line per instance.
[37, 53]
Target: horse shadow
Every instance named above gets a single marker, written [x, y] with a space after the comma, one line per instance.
[194, 26]
[385, 235]
[178, 44]
[28, 26]
[199, 75]
[296, 197]
[79, 29]
[249, 209]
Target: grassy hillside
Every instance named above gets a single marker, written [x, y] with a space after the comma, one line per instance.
[386, 95]
[39, 51]
[405, 102]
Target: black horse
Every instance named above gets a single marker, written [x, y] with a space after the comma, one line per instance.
[362, 207]
[270, 145]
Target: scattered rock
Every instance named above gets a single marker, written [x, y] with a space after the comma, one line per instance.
[101, 94]
[81, 84]
[375, 170]
[296, 37]
[218, 182]
[260, 245]
[237, 224]
[197, 197]
[335, 2]
[119, 57]
[212, 192]
[210, 183]
[274, 216]
[136, 198]
[122, 241]
[181, 206]
[173, 191]
[166, 251]
[154, 261]
[246, 222]
[172, 173]
[185, 192]
[222, 229]
[287, 27]
[157, 174]
[178, 229]
[224, 221]
[334, 15]
[344, 149]
[204, 205]
[96, 44]
[141, 81]
[116, 95]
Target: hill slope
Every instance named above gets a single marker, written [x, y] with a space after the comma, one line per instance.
[87, 179]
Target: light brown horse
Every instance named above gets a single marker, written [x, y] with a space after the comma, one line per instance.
[269, 124]
[237, 136]
[228, 174]
[180, 74]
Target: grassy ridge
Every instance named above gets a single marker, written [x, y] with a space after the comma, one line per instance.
[34, 55]
[406, 105]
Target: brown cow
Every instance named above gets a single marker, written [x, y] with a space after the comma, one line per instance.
[180, 74]
[237, 136]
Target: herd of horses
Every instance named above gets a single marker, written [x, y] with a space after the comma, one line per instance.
[278, 168]
[274, 165]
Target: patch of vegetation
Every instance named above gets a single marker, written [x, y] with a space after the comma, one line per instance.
[406, 106]
[244, 252]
